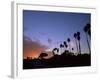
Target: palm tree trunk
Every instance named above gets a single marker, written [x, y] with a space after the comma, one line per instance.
[88, 43]
[69, 48]
[76, 45]
[79, 48]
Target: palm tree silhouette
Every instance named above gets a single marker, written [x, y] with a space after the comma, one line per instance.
[87, 32]
[55, 49]
[78, 38]
[61, 47]
[88, 29]
[75, 36]
[72, 49]
[68, 40]
[65, 44]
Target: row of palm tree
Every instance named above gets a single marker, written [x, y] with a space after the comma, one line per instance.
[66, 44]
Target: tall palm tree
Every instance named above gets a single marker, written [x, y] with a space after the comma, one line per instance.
[78, 38]
[88, 29]
[75, 36]
[87, 32]
[68, 40]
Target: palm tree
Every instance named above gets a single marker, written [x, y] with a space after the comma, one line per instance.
[55, 49]
[68, 40]
[88, 29]
[75, 36]
[72, 49]
[61, 47]
[87, 32]
[78, 38]
[65, 44]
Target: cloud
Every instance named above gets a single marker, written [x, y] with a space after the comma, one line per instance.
[32, 48]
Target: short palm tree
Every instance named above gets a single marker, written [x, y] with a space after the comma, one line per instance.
[68, 40]
[65, 44]
[55, 49]
[61, 47]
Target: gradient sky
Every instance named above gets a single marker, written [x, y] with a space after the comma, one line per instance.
[43, 30]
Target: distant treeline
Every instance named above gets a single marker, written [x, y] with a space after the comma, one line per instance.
[66, 59]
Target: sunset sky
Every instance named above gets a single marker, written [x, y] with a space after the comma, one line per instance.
[43, 31]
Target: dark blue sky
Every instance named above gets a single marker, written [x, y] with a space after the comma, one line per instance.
[52, 28]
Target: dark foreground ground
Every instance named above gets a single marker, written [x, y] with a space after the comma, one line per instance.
[58, 61]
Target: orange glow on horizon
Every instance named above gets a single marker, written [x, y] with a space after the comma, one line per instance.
[35, 54]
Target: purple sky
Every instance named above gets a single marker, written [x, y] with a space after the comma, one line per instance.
[50, 29]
